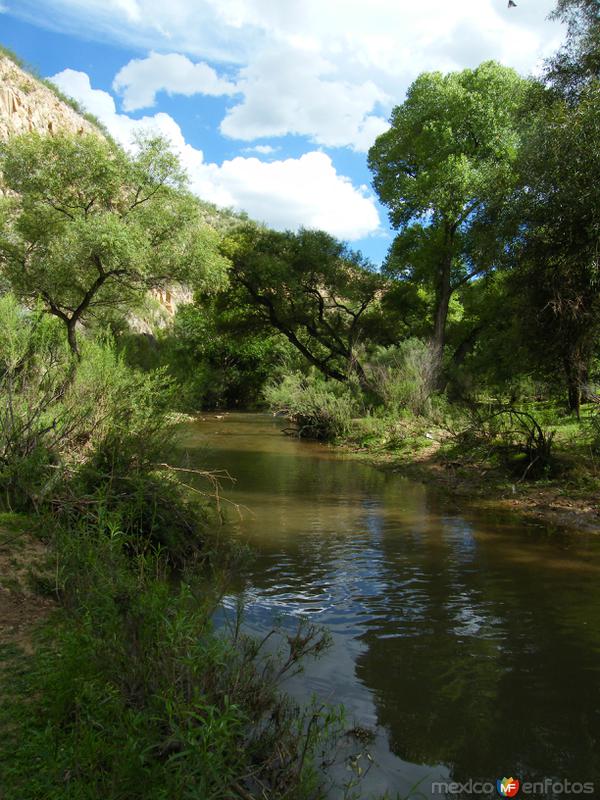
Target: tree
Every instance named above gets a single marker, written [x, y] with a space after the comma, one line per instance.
[309, 287]
[88, 228]
[577, 63]
[558, 251]
[443, 169]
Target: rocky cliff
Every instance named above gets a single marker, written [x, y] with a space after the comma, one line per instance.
[26, 105]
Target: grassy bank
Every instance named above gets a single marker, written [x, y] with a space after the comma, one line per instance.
[115, 683]
[490, 475]
[521, 454]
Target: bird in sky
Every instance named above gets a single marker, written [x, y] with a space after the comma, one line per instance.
[512, 4]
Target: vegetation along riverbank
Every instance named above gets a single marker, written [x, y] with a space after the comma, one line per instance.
[470, 358]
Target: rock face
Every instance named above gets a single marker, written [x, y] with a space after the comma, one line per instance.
[27, 105]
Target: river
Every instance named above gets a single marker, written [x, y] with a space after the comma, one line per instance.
[469, 643]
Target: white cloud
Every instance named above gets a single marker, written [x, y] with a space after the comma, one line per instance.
[284, 193]
[141, 79]
[261, 149]
[130, 8]
[295, 93]
[305, 190]
[327, 69]
[301, 93]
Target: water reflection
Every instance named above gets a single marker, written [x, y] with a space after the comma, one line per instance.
[472, 643]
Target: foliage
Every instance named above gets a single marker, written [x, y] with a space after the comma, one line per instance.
[577, 63]
[92, 228]
[319, 409]
[558, 251]
[593, 425]
[76, 436]
[515, 436]
[442, 169]
[404, 375]
[309, 287]
[138, 697]
[35, 422]
[214, 358]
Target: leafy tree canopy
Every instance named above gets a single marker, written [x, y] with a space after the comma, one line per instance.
[557, 255]
[577, 63]
[442, 169]
[308, 286]
[89, 228]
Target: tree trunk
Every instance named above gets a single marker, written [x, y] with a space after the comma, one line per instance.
[466, 346]
[438, 342]
[355, 366]
[72, 337]
[574, 398]
[575, 371]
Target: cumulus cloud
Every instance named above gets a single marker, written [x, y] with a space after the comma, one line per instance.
[293, 93]
[301, 93]
[285, 193]
[330, 71]
[305, 190]
[140, 80]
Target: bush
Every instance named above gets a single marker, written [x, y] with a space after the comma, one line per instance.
[214, 362]
[79, 435]
[515, 437]
[594, 431]
[35, 425]
[137, 696]
[319, 409]
[403, 375]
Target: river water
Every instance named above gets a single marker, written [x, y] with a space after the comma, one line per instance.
[470, 643]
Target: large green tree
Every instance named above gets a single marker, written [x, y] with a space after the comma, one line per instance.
[577, 63]
[557, 254]
[443, 169]
[308, 286]
[87, 228]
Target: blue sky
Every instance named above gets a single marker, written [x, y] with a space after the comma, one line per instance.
[271, 104]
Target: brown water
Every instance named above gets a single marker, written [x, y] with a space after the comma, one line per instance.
[470, 642]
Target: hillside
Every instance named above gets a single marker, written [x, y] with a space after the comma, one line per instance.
[27, 104]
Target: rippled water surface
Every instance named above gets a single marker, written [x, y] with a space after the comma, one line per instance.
[470, 643]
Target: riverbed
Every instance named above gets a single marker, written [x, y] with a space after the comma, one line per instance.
[469, 643]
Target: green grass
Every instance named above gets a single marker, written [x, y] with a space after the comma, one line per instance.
[133, 694]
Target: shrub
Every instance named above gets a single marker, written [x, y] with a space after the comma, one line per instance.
[515, 437]
[34, 423]
[137, 696]
[594, 430]
[403, 375]
[79, 435]
[319, 409]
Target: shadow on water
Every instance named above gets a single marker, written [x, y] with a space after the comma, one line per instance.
[471, 642]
